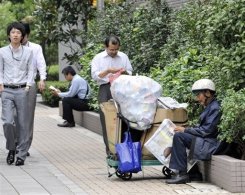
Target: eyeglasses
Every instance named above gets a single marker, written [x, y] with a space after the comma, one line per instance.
[17, 58]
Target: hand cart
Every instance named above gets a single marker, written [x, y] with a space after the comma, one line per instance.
[113, 120]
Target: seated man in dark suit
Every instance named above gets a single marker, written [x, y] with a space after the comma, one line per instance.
[200, 139]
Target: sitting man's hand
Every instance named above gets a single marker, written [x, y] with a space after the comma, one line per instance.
[179, 129]
[55, 92]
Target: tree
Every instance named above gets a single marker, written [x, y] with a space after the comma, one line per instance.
[64, 21]
[6, 17]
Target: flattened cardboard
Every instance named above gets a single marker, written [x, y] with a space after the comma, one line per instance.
[112, 122]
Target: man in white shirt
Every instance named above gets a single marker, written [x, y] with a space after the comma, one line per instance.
[103, 66]
[16, 78]
[39, 65]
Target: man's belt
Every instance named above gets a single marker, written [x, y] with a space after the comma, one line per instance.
[105, 84]
[14, 86]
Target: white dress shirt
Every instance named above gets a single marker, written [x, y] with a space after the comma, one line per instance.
[103, 61]
[38, 60]
[16, 65]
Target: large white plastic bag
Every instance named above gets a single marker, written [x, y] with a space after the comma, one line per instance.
[137, 97]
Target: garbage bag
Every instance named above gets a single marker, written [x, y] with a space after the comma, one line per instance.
[137, 97]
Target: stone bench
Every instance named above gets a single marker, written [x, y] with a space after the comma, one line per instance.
[225, 172]
[87, 119]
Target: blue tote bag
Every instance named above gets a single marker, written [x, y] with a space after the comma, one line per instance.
[129, 155]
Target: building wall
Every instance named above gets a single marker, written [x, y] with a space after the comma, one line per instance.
[172, 3]
[176, 3]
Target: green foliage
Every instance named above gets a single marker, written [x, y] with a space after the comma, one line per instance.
[21, 9]
[178, 77]
[47, 96]
[53, 73]
[6, 17]
[207, 41]
[232, 128]
[142, 30]
[92, 50]
[69, 28]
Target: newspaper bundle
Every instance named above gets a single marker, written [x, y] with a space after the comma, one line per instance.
[161, 141]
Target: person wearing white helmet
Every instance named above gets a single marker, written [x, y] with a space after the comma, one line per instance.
[201, 139]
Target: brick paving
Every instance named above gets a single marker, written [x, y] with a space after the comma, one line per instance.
[67, 161]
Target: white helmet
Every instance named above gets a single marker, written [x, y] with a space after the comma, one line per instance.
[203, 84]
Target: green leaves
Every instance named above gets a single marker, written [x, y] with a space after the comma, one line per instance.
[232, 127]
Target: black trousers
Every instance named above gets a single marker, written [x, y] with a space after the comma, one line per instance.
[103, 96]
[181, 142]
[73, 103]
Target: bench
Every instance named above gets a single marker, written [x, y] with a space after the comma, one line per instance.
[87, 119]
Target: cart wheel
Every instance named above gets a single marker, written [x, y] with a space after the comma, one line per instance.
[167, 171]
[126, 176]
[118, 174]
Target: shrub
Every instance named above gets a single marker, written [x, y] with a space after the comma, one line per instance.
[232, 127]
[53, 73]
[47, 96]
[91, 51]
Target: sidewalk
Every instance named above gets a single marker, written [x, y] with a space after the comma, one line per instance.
[67, 161]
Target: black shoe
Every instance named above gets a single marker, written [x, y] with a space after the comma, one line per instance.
[195, 176]
[19, 162]
[179, 179]
[66, 124]
[10, 157]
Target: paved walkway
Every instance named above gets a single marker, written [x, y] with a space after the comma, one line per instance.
[67, 161]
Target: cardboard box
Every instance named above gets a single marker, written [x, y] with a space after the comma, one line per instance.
[177, 116]
[113, 124]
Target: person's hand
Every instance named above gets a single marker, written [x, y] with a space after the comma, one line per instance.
[113, 70]
[41, 85]
[55, 92]
[123, 71]
[1, 88]
[179, 129]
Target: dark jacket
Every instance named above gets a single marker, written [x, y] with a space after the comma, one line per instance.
[205, 142]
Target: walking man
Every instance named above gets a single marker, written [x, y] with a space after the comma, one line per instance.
[16, 78]
[39, 65]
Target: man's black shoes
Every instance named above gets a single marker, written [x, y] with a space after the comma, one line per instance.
[10, 157]
[179, 179]
[19, 162]
[66, 124]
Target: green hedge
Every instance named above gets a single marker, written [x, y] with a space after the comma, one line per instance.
[47, 96]
[53, 73]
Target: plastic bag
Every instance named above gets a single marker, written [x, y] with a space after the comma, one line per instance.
[129, 155]
[137, 97]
